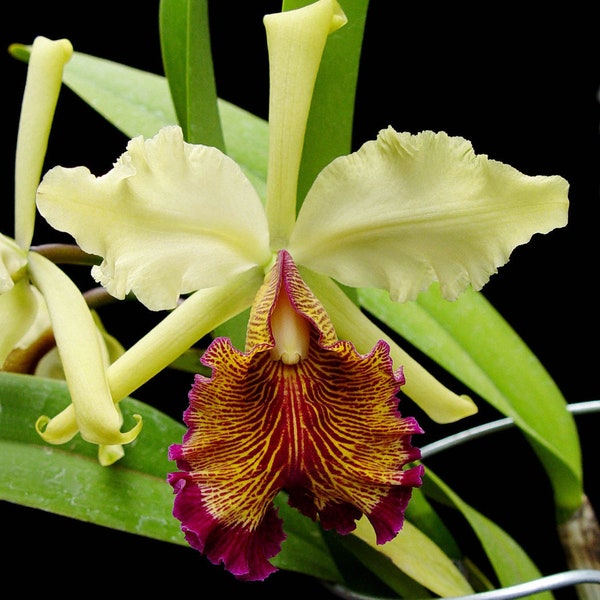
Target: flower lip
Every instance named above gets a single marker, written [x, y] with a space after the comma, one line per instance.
[326, 429]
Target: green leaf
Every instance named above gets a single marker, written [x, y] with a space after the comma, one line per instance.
[509, 561]
[473, 342]
[370, 573]
[247, 142]
[136, 102]
[421, 514]
[131, 495]
[304, 550]
[187, 60]
[235, 329]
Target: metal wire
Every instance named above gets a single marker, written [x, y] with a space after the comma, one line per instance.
[543, 584]
[536, 586]
[475, 432]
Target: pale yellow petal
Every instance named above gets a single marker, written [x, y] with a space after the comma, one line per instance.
[440, 403]
[169, 218]
[18, 309]
[197, 316]
[59, 429]
[50, 366]
[44, 77]
[406, 210]
[420, 558]
[107, 455]
[40, 325]
[78, 340]
[296, 40]
[13, 261]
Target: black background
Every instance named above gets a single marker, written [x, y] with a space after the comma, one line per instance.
[522, 88]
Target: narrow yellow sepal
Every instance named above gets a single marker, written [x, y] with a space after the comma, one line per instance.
[18, 309]
[420, 558]
[440, 403]
[197, 316]
[44, 78]
[294, 37]
[98, 419]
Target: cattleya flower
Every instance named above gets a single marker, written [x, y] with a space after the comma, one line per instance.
[35, 294]
[310, 405]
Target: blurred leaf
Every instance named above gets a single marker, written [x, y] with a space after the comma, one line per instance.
[304, 550]
[369, 573]
[187, 60]
[131, 495]
[510, 563]
[473, 342]
[421, 514]
[420, 558]
[235, 329]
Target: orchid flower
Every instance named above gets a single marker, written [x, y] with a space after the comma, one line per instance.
[310, 406]
[36, 294]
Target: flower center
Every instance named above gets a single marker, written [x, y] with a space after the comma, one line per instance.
[290, 330]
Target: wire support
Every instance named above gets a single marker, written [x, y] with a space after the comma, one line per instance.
[535, 586]
[481, 430]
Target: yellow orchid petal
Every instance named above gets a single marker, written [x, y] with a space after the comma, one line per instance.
[37, 344]
[420, 558]
[50, 365]
[63, 427]
[440, 403]
[18, 309]
[197, 316]
[294, 37]
[169, 218]
[407, 210]
[107, 455]
[44, 77]
[41, 326]
[13, 261]
[98, 419]
[59, 429]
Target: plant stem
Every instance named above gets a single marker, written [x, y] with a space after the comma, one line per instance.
[580, 539]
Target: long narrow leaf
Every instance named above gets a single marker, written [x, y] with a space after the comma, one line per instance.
[131, 495]
[187, 60]
[418, 556]
[510, 562]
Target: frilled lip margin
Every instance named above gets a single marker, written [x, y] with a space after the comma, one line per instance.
[326, 429]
